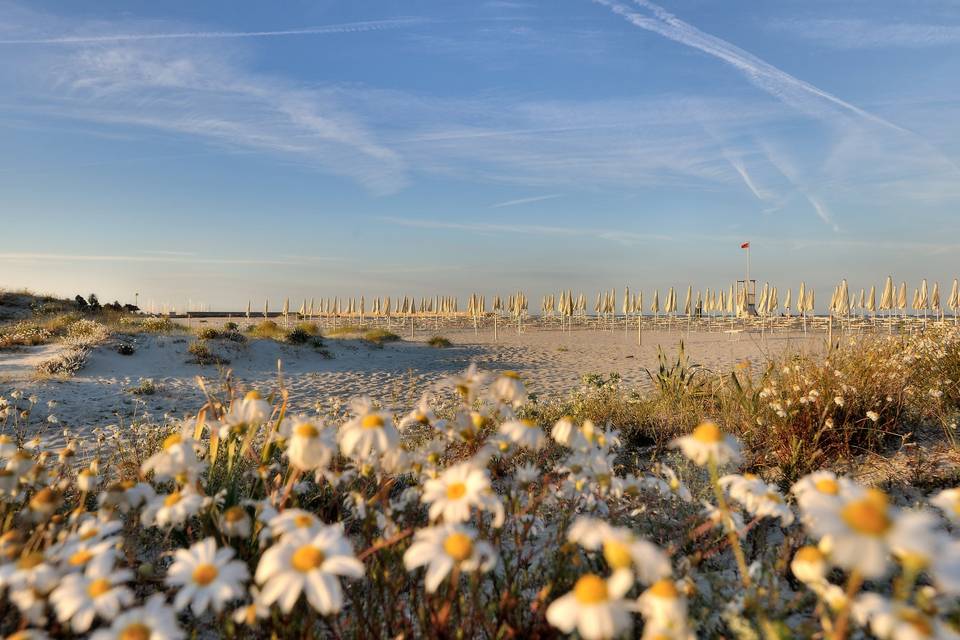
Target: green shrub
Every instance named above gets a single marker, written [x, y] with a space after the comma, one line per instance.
[203, 355]
[439, 342]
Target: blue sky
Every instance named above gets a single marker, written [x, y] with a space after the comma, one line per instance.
[223, 151]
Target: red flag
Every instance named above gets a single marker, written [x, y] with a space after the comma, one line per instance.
[745, 245]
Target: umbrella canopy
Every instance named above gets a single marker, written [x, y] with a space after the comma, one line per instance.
[872, 300]
[935, 297]
[886, 298]
[787, 300]
[924, 301]
[902, 296]
[953, 302]
[248, 303]
[762, 303]
[772, 302]
[686, 305]
[655, 305]
[810, 303]
[801, 298]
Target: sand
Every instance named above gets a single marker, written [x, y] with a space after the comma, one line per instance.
[550, 361]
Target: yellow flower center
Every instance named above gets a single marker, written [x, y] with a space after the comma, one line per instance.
[828, 486]
[306, 430]
[866, 516]
[307, 558]
[510, 374]
[252, 395]
[204, 574]
[528, 423]
[421, 418]
[456, 490]
[98, 587]
[135, 631]
[808, 554]
[234, 514]
[44, 497]
[30, 560]
[171, 499]
[89, 533]
[708, 433]
[372, 421]
[303, 521]
[590, 589]
[664, 589]
[80, 558]
[128, 484]
[617, 554]
[458, 546]
[172, 440]
[773, 497]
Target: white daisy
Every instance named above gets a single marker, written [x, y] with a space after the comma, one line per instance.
[508, 389]
[292, 521]
[80, 597]
[948, 501]
[444, 547]
[457, 490]
[859, 531]
[708, 442]
[369, 431]
[664, 608]
[524, 433]
[595, 608]
[467, 384]
[310, 445]
[235, 522]
[207, 577]
[621, 548]
[153, 621]
[302, 562]
[172, 510]
[809, 565]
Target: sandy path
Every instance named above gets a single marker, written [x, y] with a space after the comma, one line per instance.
[551, 362]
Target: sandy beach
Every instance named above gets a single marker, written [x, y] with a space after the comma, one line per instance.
[550, 361]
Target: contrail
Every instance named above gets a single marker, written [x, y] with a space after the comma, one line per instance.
[347, 27]
[774, 81]
[511, 203]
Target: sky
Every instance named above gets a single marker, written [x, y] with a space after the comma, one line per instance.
[211, 153]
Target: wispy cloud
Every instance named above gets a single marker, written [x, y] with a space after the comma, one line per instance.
[348, 27]
[513, 203]
[869, 34]
[175, 259]
[198, 89]
[618, 236]
[778, 83]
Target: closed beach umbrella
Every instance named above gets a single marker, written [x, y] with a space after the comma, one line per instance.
[923, 300]
[787, 301]
[902, 296]
[952, 301]
[872, 300]
[248, 304]
[886, 298]
[687, 311]
[935, 297]
[655, 305]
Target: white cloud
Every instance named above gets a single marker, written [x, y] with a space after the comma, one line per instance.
[867, 34]
[349, 27]
[611, 235]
